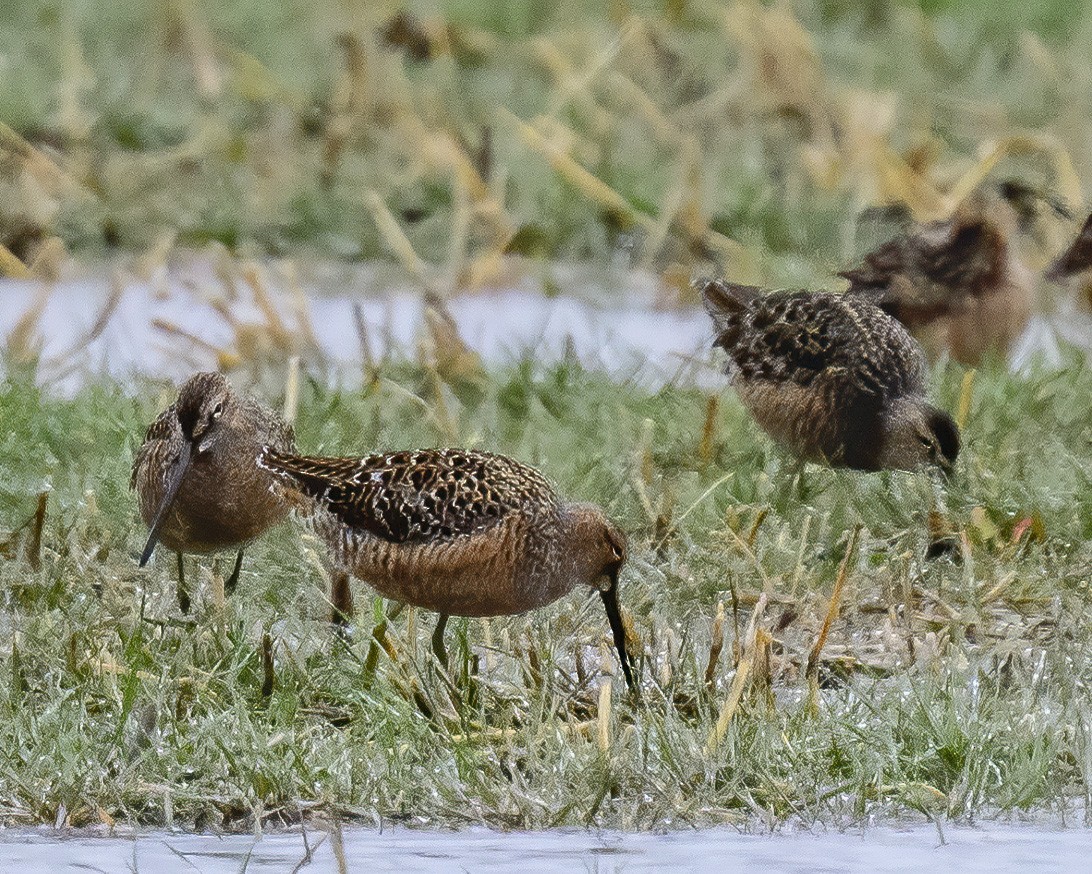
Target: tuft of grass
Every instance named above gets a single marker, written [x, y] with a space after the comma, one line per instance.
[949, 687]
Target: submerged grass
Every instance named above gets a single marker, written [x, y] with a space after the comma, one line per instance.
[954, 687]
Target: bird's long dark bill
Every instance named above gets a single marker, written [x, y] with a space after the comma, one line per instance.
[945, 470]
[614, 617]
[174, 482]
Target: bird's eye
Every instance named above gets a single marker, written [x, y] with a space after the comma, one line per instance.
[218, 411]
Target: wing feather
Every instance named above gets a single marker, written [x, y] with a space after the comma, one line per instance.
[161, 429]
[824, 341]
[407, 497]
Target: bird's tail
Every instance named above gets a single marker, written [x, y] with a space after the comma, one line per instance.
[308, 476]
[724, 300]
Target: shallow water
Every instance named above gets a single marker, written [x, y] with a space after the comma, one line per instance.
[608, 322]
[986, 848]
[622, 334]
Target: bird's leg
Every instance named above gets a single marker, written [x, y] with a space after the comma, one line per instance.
[341, 597]
[231, 582]
[438, 640]
[473, 683]
[446, 672]
[801, 488]
[183, 595]
[789, 482]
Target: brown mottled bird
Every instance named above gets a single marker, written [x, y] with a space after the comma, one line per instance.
[1076, 261]
[832, 377]
[462, 532]
[196, 476]
[956, 284]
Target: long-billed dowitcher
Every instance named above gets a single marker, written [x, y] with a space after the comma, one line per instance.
[197, 481]
[1076, 261]
[832, 377]
[457, 531]
[956, 284]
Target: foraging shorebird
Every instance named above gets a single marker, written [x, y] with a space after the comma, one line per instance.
[457, 531]
[1076, 261]
[955, 284]
[831, 377]
[198, 484]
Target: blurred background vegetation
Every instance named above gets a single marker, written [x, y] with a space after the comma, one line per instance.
[666, 134]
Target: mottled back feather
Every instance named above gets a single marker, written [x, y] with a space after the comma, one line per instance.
[1077, 258]
[422, 496]
[923, 274]
[159, 433]
[817, 340]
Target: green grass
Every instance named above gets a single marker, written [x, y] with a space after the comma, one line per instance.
[954, 689]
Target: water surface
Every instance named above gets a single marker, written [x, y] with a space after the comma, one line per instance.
[611, 322]
[985, 848]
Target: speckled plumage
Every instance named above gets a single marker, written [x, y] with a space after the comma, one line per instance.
[210, 438]
[956, 283]
[832, 377]
[1076, 261]
[458, 531]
